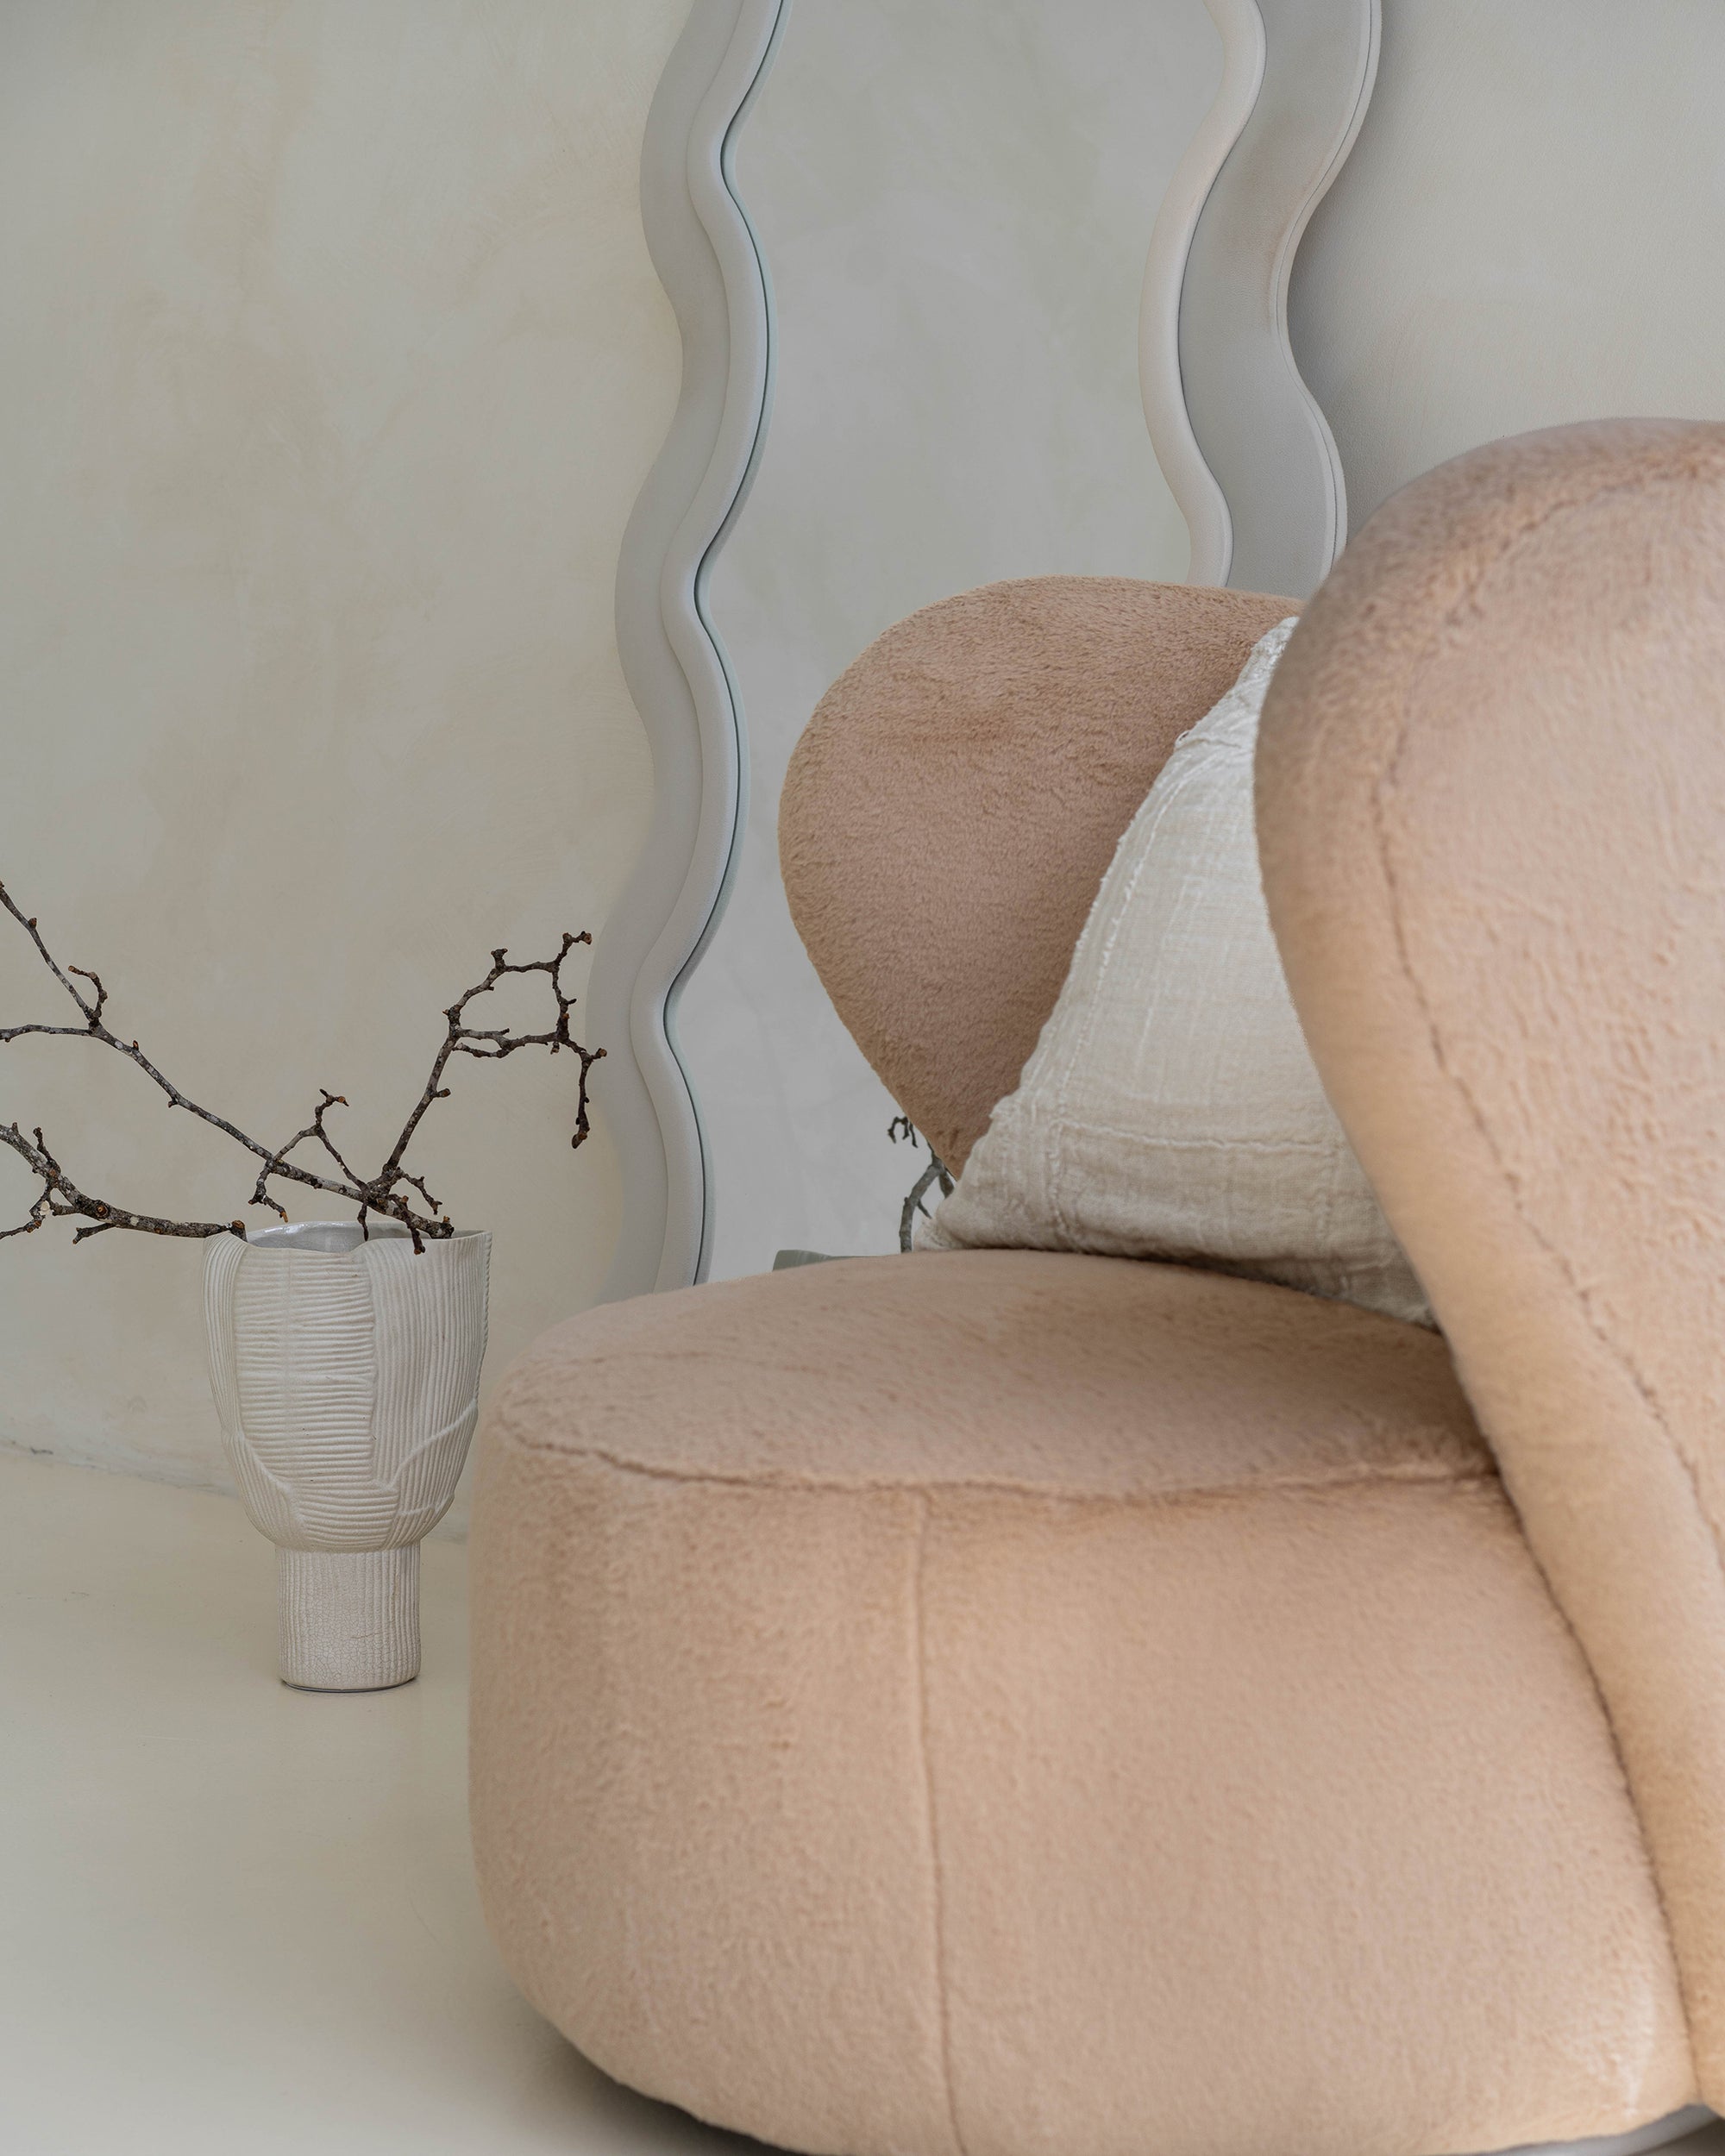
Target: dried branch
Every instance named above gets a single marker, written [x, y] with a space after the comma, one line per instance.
[936, 1172]
[384, 1193]
[60, 1199]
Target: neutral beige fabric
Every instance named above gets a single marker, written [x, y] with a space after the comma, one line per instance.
[1005, 1703]
[1171, 1109]
[1008, 1704]
[1492, 823]
[954, 801]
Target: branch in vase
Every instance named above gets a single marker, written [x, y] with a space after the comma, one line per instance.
[59, 1198]
[384, 1193]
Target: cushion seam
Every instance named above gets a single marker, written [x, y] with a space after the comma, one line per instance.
[1619, 1356]
[937, 1890]
[999, 1485]
[1465, 598]
[1476, 1114]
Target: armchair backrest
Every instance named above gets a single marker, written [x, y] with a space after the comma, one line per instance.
[1491, 819]
[952, 808]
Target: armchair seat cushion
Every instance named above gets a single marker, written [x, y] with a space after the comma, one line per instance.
[1004, 1703]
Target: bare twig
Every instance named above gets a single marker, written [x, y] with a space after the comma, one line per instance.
[936, 1172]
[384, 1193]
[60, 1199]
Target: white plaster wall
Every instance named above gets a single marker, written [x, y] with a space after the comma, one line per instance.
[330, 364]
[1531, 230]
[955, 203]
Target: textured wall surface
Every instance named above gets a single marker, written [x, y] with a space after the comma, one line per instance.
[331, 362]
[1530, 230]
[955, 204]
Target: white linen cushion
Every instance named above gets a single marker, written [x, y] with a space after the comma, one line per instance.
[1170, 1109]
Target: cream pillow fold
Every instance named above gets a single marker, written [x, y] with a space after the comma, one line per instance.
[1170, 1109]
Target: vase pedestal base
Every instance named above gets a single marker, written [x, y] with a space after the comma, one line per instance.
[349, 1618]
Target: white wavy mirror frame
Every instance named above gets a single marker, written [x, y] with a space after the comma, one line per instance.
[1245, 449]
[707, 260]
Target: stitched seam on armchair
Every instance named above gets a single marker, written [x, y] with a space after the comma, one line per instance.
[1268, 1486]
[937, 1889]
[1612, 1348]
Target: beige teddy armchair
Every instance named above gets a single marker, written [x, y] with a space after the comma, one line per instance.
[1003, 1703]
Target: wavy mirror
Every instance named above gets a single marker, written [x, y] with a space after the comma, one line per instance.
[1031, 267]
[955, 203]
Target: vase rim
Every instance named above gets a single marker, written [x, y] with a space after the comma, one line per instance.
[340, 1238]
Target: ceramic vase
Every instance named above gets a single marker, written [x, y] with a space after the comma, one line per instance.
[346, 1370]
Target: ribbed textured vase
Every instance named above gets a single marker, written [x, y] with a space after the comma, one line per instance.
[346, 1370]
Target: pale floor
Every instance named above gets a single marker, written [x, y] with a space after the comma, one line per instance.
[238, 1921]
[235, 1918]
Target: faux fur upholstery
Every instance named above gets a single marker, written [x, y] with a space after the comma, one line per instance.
[1014, 1704]
[1491, 807]
[1004, 1703]
[953, 804]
